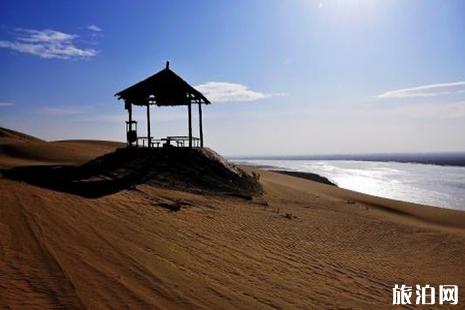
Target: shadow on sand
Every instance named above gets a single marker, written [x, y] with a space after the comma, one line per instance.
[195, 170]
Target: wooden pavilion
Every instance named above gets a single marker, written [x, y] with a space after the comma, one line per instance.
[164, 88]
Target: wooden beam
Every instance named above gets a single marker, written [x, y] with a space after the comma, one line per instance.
[189, 111]
[149, 138]
[200, 124]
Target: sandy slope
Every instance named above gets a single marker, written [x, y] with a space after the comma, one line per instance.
[340, 249]
[18, 149]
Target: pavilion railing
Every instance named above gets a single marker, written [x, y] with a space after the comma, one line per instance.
[169, 141]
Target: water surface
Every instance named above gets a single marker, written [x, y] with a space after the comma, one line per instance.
[440, 186]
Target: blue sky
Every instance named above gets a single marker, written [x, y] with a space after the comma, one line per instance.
[285, 77]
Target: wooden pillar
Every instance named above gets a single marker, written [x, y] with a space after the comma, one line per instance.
[130, 112]
[149, 138]
[130, 121]
[200, 124]
[128, 106]
[189, 110]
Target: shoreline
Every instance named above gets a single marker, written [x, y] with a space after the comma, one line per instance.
[411, 185]
[397, 208]
[306, 175]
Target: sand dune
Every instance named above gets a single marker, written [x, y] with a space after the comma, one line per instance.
[8, 135]
[18, 149]
[304, 245]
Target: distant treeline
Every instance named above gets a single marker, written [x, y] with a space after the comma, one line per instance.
[442, 159]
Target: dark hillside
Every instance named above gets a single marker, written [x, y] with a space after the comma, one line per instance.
[195, 170]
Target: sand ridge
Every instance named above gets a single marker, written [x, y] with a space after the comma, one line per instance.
[18, 149]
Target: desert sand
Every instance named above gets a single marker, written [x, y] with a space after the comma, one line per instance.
[302, 245]
[18, 149]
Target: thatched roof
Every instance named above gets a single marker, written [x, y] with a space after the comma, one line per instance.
[164, 88]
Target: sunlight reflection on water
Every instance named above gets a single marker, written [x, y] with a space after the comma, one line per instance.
[439, 186]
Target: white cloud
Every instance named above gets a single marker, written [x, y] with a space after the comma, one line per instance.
[47, 44]
[6, 104]
[94, 28]
[426, 90]
[224, 91]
